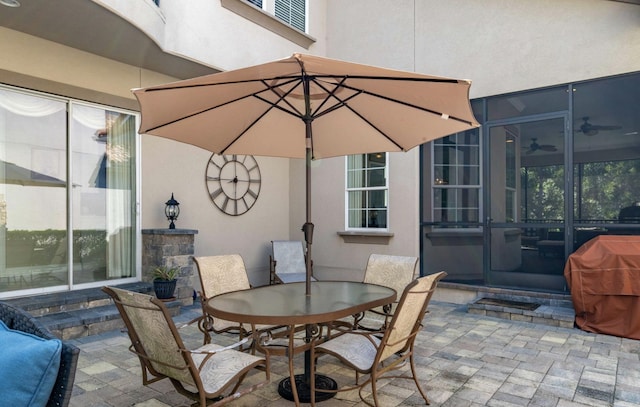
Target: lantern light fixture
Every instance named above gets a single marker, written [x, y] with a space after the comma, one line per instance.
[172, 210]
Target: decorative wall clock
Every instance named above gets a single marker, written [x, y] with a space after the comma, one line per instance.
[233, 182]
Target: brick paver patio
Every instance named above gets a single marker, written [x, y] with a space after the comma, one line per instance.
[463, 360]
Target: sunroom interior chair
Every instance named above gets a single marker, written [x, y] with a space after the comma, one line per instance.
[367, 354]
[287, 262]
[218, 275]
[211, 374]
[390, 271]
[19, 320]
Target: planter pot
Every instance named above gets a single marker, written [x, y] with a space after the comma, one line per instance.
[164, 289]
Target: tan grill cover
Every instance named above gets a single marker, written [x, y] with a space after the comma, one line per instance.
[604, 278]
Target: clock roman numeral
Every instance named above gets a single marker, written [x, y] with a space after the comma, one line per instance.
[253, 194]
[215, 164]
[225, 203]
[216, 193]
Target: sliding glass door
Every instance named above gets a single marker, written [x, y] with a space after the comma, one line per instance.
[67, 193]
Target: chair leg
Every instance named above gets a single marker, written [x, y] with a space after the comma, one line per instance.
[415, 378]
[294, 388]
[374, 389]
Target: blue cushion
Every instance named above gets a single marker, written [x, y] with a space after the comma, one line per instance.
[28, 367]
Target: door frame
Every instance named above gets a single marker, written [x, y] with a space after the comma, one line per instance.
[531, 281]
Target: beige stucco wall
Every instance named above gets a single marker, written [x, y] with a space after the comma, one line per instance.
[501, 45]
[49, 61]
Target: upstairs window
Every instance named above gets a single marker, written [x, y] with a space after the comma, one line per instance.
[367, 191]
[292, 12]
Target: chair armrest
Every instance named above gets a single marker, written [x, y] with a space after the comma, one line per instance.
[189, 323]
[224, 348]
[372, 336]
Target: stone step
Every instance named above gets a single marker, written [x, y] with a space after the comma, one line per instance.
[75, 314]
[529, 310]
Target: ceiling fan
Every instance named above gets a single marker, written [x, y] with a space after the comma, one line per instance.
[589, 129]
[534, 146]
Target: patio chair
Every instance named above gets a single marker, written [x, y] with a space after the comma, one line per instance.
[19, 320]
[287, 262]
[390, 271]
[211, 375]
[365, 353]
[222, 274]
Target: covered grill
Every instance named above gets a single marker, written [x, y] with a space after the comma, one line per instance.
[604, 278]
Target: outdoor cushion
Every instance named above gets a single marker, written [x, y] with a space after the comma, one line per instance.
[28, 367]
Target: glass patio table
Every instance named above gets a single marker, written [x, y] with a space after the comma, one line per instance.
[287, 304]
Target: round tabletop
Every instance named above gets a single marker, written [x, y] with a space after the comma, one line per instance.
[287, 304]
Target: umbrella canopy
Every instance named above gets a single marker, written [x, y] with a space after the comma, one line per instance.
[307, 107]
[11, 173]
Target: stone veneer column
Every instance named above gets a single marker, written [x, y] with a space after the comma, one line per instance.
[170, 248]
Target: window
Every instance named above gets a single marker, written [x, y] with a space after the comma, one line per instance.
[292, 12]
[367, 191]
[456, 179]
[257, 3]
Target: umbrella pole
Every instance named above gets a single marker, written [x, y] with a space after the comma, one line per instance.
[307, 228]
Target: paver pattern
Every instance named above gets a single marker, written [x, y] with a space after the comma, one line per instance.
[462, 359]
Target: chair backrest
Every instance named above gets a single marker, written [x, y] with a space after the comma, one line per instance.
[407, 320]
[221, 274]
[153, 335]
[390, 271]
[289, 256]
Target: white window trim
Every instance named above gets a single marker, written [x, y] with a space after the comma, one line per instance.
[346, 197]
[268, 20]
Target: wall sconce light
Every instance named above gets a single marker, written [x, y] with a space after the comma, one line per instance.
[172, 210]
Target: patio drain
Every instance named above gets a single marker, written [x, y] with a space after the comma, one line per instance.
[527, 306]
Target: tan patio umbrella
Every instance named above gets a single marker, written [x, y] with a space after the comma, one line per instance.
[307, 107]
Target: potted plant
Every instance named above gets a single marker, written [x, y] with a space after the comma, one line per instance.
[164, 281]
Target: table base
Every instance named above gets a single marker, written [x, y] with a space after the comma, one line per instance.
[304, 392]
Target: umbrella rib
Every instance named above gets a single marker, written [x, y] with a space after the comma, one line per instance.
[343, 102]
[296, 76]
[424, 109]
[247, 129]
[254, 94]
[391, 78]
[282, 97]
[271, 106]
[291, 78]
[374, 127]
[331, 93]
[189, 116]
